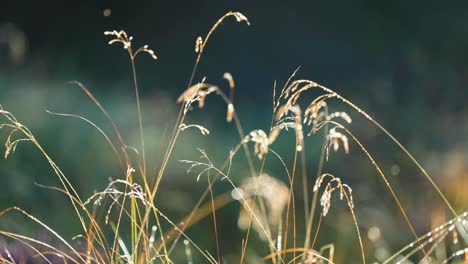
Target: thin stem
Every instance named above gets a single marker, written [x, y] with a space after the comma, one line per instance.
[140, 122]
[291, 200]
[356, 226]
[317, 231]
[215, 226]
[305, 185]
[315, 195]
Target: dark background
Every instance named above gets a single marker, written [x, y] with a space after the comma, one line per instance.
[404, 62]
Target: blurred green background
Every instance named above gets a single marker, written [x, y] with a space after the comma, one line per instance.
[405, 62]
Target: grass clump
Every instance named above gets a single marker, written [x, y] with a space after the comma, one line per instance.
[123, 223]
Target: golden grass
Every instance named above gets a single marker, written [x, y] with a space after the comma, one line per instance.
[269, 205]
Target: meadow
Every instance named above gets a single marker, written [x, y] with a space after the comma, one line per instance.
[271, 194]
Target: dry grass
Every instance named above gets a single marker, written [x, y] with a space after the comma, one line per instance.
[269, 206]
